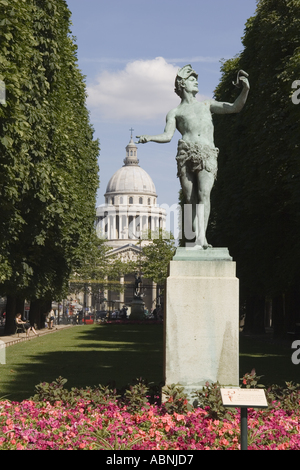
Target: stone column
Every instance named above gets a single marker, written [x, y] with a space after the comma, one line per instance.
[122, 294]
[154, 294]
[134, 225]
[152, 224]
[108, 227]
[125, 227]
[105, 293]
[145, 226]
[114, 229]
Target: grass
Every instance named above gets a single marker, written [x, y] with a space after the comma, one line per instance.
[85, 356]
[92, 355]
[272, 361]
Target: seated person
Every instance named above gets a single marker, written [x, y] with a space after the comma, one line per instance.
[27, 327]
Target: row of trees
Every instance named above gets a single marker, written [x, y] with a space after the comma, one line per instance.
[48, 156]
[257, 195]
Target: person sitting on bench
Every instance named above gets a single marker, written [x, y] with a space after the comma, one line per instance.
[27, 327]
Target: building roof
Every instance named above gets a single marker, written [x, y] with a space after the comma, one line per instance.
[131, 178]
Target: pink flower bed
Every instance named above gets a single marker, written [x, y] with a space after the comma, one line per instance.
[40, 426]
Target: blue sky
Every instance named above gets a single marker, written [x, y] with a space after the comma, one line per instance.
[130, 51]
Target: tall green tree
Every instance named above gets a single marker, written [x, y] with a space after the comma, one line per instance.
[48, 163]
[100, 270]
[257, 195]
[157, 255]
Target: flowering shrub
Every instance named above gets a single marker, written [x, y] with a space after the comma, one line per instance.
[42, 426]
[98, 419]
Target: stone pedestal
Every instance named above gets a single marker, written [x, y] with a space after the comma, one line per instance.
[137, 309]
[202, 319]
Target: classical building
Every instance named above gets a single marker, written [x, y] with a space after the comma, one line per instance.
[129, 212]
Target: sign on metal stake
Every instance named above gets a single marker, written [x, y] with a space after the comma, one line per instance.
[244, 398]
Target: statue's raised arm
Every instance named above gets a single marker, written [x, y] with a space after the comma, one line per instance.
[230, 108]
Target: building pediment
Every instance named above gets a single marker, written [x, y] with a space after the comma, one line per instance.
[129, 252]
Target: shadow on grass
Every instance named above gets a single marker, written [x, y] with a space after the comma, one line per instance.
[93, 355]
[89, 356]
[272, 361]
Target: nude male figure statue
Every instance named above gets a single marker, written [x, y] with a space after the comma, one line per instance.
[197, 155]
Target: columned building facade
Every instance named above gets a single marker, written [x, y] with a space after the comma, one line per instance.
[130, 207]
[129, 212]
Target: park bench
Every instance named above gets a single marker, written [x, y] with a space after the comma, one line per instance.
[19, 329]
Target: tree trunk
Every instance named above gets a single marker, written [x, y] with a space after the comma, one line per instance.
[255, 314]
[279, 316]
[38, 311]
[11, 311]
[292, 308]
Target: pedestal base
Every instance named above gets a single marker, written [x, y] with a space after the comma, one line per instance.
[202, 320]
[137, 310]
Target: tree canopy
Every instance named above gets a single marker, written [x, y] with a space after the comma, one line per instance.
[256, 198]
[48, 156]
[157, 255]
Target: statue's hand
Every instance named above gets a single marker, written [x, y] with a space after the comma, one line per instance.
[245, 82]
[143, 139]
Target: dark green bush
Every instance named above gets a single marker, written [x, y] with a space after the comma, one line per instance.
[209, 398]
[175, 400]
[141, 394]
[55, 391]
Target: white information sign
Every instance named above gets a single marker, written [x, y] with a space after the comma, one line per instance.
[244, 397]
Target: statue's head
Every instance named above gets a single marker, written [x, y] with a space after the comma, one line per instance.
[183, 74]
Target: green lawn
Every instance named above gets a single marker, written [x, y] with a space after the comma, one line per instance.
[273, 362]
[92, 355]
[86, 356]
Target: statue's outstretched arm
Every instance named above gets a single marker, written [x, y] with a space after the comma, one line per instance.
[161, 138]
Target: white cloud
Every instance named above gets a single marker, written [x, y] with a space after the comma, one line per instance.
[143, 90]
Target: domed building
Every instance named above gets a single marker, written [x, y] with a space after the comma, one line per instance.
[130, 207]
[129, 212]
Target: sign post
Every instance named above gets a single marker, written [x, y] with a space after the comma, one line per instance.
[244, 428]
[244, 398]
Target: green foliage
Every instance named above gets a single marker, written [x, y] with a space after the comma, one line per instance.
[55, 391]
[157, 255]
[210, 399]
[175, 400]
[48, 158]
[52, 392]
[289, 396]
[251, 380]
[104, 444]
[255, 201]
[134, 396]
[137, 396]
[99, 270]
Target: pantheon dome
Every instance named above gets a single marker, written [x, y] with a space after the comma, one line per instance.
[130, 207]
[131, 178]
